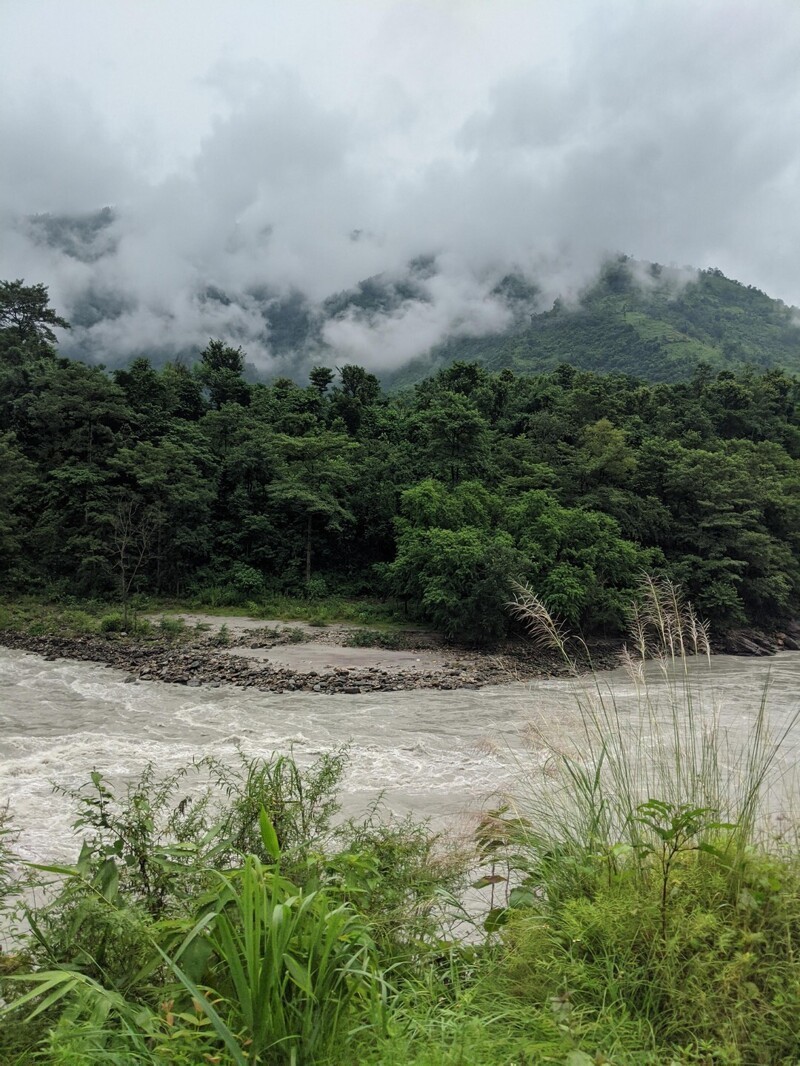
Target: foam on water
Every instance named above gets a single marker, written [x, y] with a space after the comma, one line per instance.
[434, 753]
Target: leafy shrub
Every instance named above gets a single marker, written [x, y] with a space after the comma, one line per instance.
[246, 580]
[316, 588]
[142, 627]
[76, 621]
[172, 627]
[458, 580]
[373, 638]
[400, 874]
[222, 638]
[290, 970]
[300, 803]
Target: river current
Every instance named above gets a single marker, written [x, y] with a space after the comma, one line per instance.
[438, 754]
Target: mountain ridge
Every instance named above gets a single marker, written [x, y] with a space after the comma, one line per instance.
[636, 317]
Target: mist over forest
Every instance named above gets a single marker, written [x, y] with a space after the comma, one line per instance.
[629, 315]
[350, 195]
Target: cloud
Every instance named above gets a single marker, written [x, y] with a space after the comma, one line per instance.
[453, 303]
[521, 138]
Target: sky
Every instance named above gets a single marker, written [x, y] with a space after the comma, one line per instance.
[279, 146]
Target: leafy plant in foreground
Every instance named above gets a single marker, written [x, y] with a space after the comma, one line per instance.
[289, 969]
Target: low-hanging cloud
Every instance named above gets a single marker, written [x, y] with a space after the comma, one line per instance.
[666, 131]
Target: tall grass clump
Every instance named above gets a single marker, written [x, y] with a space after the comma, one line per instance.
[662, 740]
[649, 902]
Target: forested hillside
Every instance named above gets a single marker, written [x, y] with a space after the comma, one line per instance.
[643, 319]
[180, 480]
[636, 317]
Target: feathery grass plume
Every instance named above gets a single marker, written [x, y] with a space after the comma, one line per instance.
[650, 885]
[664, 625]
[661, 738]
[546, 633]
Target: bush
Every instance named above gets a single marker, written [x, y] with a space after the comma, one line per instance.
[458, 580]
[373, 638]
[172, 627]
[246, 580]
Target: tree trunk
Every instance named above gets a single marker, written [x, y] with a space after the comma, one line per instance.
[308, 550]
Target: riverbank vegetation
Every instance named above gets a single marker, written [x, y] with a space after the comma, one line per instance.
[193, 482]
[635, 901]
[151, 617]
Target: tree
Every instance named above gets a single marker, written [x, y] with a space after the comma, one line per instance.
[220, 370]
[316, 473]
[172, 483]
[579, 564]
[27, 311]
[133, 531]
[456, 436]
[358, 392]
[320, 378]
[457, 579]
[429, 504]
[17, 481]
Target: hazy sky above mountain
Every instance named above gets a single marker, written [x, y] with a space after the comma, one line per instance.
[308, 144]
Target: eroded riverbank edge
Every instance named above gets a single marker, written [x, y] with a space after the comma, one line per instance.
[277, 656]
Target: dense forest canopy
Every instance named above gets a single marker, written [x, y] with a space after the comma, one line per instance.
[181, 479]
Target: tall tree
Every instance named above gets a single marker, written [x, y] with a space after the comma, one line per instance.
[26, 310]
[313, 482]
[220, 371]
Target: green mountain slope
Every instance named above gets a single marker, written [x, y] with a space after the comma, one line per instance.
[643, 320]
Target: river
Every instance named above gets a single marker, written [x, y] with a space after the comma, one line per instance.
[439, 754]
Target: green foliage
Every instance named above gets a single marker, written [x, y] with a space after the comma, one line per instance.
[172, 627]
[35, 618]
[655, 322]
[459, 579]
[145, 842]
[301, 804]
[166, 944]
[25, 309]
[304, 499]
[289, 971]
[246, 580]
[220, 371]
[373, 638]
[222, 638]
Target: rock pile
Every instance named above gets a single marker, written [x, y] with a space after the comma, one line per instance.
[199, 663]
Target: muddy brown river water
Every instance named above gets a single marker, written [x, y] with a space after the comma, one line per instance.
[438, 754]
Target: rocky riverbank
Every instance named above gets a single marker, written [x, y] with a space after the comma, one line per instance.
[755, 642]
[284, 657]
[270, 661]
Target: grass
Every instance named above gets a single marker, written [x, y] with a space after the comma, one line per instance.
[374, 638]
[321, 609]
[644, 847]
[38, 617]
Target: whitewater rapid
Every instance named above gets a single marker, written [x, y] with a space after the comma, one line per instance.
[438, 754]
